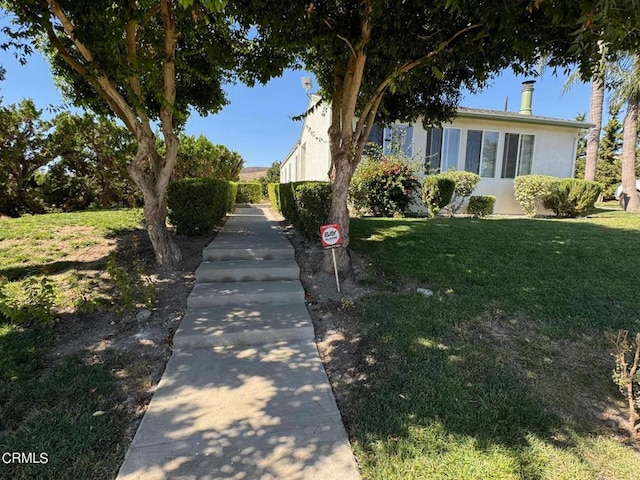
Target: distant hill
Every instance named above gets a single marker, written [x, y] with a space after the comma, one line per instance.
[252, 173]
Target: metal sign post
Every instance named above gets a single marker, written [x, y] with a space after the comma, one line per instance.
[331, 238]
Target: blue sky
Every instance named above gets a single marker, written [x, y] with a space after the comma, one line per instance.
[257, 123]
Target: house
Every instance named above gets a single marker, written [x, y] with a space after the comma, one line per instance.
[497, 145]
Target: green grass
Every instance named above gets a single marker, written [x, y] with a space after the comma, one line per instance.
[70, 409]
[505, 371]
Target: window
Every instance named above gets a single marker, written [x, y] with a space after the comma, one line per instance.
[398, 138]
[518, 155]
[443, 148]
[482, 153]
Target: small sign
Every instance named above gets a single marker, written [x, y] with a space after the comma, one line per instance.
[330, 235]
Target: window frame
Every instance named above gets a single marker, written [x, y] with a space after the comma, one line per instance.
[519, 150]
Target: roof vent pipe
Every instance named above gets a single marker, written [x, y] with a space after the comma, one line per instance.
[527, 94]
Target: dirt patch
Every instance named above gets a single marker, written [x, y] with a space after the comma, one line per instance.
[134, 345]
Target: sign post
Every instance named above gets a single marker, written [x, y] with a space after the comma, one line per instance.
[331, 237]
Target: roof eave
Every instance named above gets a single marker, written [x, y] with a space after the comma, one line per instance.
[530, 119]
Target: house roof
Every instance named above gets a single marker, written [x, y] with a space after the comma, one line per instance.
[464, 112]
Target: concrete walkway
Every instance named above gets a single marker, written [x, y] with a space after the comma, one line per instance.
[244, 395]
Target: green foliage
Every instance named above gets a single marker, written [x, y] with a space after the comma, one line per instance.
[530, 190]
[609, 166]
[312, 201]
[466, 183]
[197, 204]
[571, 197]
[274, 196]
[92, 168]
[383, 187]
[200, 158]
[481, 205]
[25, 147]
[27, 303]
[133, 287]
[288, 201]
[437, 191]
[233, 193]
[249, 193]
[272, 176]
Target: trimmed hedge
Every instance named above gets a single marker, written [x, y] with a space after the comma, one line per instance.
[288, 201]
[197, 204]
[273, 190]
[312, 201]
[437, 191]
[249, 193]
[466, 183]
[530, 190]
[481, 205]
[306, 205]
[571, 197]
[233, 192]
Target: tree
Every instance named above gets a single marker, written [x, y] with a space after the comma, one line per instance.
[92, 170]
[25, 147]
[377, 61]
[271, 176]
[199, 157]
[147, 62]
[609, 164]
[595, 115]
[631, 91]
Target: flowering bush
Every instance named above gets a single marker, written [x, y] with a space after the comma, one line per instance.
[383, 188]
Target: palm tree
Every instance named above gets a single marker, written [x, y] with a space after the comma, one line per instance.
[596, 103]
[628, 89]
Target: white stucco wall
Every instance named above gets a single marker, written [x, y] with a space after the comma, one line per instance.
[554, 151]
[311, 157]
[554, 154]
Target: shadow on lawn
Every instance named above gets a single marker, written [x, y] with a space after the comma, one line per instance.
[427, 377]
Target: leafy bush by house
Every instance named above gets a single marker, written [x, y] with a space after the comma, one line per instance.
[481, 205]
[466, 183]
[273, 189]
[249, 193]
[313, 201]
[197, 204]
[383, 188]
[571, 197]
[437, 191]
[530, 190]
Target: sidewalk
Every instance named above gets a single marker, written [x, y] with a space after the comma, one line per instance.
[244, 395]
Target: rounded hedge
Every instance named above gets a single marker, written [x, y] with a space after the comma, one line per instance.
[249, 193]
[197, 204]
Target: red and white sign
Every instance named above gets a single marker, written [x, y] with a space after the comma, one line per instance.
[330, 235]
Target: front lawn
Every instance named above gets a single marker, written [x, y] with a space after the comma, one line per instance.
[506, 371]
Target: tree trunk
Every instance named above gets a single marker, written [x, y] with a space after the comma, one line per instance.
[595, 117]
[143, 171]
[629, 198]
[340, 175]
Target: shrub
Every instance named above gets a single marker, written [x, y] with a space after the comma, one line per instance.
[437, 191]
[249, 193]
[196, 204]
[312, 202]
[383, 188]
[571, 197]
[27, 303]
[530, 190]
[273, 190]
[233, 193]
[627, 376]
[481, 205]
[466, 183]
[288, 201]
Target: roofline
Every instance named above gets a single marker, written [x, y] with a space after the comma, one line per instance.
[515, 117]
